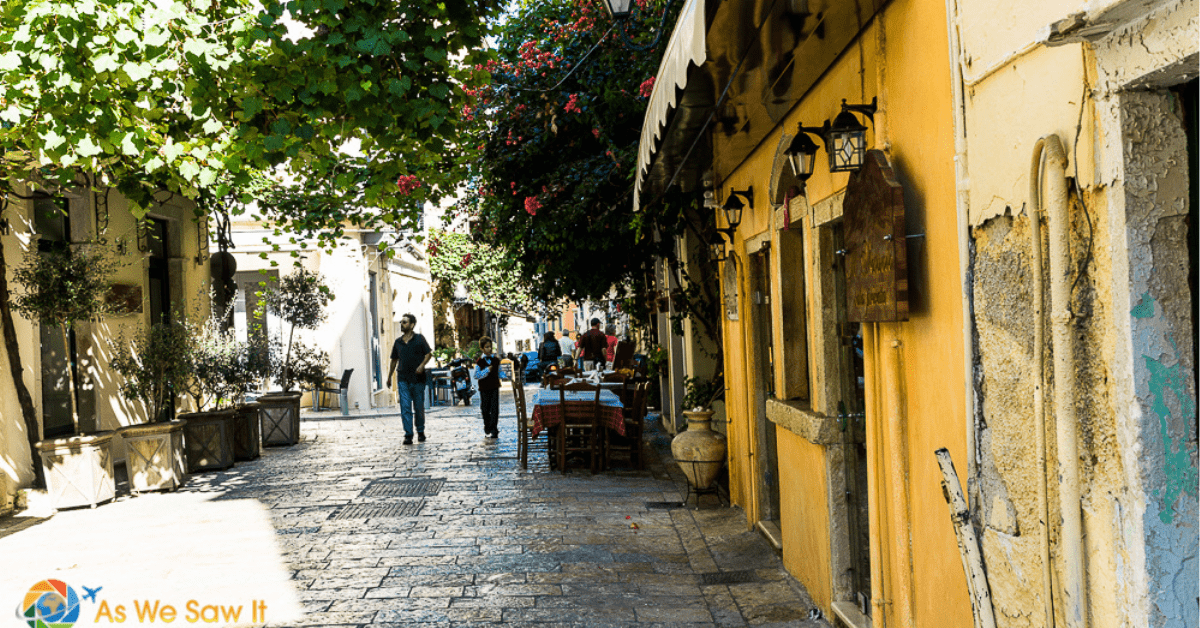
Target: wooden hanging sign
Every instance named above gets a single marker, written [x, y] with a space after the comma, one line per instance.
[876, 252]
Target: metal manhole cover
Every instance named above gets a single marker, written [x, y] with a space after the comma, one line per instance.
[728, 577]
[663, 505]
[380, 511]
[404, 488]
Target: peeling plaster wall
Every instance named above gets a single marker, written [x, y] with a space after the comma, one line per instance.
[1136, 407]
[1160, 305]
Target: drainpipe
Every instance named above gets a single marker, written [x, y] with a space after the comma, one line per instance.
[1063, 342]
[875, 489]
[897, 423]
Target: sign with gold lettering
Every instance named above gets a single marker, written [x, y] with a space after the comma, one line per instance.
[876, 254]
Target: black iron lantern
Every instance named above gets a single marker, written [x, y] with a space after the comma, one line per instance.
[847, 138]
[803, 152]
[617, 9]
[733, 206]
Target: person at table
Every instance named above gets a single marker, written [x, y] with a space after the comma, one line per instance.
[550, 350]
[610, 338]
[410, 353]
[592, 346]
[487, 370]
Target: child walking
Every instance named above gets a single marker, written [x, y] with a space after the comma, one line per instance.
[488, 367]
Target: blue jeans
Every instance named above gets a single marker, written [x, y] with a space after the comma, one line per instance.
[412, 402]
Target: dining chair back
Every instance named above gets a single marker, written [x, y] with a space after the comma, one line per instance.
[579, 432]
[523, 428]
[629, 446]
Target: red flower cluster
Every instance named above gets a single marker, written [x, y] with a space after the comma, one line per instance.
[646, 88]
[407, 184]
[596, 133]
[532, 205]
[572, 105]
[465, 261]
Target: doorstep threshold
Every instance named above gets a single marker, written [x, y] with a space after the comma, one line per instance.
[770, 530]
[849, 615]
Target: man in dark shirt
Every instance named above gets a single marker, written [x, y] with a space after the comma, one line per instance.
[410, 353]
[592, 346]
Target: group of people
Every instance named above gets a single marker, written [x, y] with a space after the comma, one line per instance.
[411, 353]
[593, 349]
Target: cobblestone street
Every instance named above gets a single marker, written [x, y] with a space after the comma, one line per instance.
[352, 528]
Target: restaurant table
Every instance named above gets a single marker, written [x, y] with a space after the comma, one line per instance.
[547, 411]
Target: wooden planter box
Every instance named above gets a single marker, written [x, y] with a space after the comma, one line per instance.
[280, 418]
[154, 456]
[247, 432]
[79, 469]
[208, 440]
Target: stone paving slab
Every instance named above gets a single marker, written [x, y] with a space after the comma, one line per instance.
[351, 528]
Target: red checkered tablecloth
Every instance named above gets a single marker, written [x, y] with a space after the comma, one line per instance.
[547, 412]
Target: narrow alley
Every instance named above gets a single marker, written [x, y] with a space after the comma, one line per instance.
[352, 528]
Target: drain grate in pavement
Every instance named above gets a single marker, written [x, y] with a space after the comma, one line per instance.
[727, 577]
[379, 511]
[663, 505]
[490, 458]
[404, 488]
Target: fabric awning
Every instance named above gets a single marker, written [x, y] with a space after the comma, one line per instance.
[687, 47]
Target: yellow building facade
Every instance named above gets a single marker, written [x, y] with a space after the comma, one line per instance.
[1079, 470]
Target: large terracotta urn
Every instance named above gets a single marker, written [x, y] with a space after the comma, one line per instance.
[699, 451]
[154, 457]
[79, 469]
[280, 418]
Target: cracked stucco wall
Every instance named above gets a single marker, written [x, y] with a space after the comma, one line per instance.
[1127, 167]
[1160, 306]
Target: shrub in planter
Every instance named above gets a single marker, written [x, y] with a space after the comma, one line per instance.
[63, 287]
[214, 382]
[699, 451]
[154, 365]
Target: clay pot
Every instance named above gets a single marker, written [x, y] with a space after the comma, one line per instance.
[699, 451]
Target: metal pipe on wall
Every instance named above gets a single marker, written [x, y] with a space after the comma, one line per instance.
[897, 424]
[1039, 367]
[1063, 343]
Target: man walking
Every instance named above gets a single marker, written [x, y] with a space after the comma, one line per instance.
[410, 353]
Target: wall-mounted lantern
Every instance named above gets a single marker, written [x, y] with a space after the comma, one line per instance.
[617, 9]
[733, 207]
[716, 247]
[847, 139]
[802, 152]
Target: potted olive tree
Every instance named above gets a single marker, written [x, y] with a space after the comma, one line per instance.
[61, 288]
[155, 365]
[254, 366]
[299, 300]
[213, 385]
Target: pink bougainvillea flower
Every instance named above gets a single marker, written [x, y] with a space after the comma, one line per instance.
[407, 183]
[596, 133]
[532, 205]
[646, 88]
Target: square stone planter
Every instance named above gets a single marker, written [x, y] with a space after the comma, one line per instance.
[154, 456]
[247, 431]
[208, 440]
[79, 469]
[280, 418]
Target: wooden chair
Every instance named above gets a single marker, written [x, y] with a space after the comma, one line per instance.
[337, 387]
[524, 438]
[629, 446]
[579, 430]
[623, 355]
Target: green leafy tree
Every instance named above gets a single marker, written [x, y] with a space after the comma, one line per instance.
[489, 276]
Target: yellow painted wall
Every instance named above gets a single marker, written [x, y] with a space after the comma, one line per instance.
[901, 58]
[806, 542]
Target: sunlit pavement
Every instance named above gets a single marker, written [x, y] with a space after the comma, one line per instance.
[352, 528]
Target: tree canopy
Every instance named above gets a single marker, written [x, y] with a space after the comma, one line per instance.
[561, 118]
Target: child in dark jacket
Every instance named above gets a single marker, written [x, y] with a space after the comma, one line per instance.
[488, 365]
